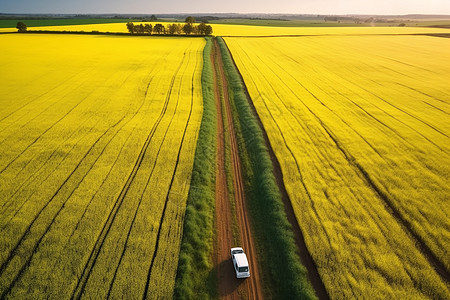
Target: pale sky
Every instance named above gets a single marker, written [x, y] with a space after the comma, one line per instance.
[392, 7]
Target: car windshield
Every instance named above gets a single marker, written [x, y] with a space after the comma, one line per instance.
[243, 269]
[237, 251]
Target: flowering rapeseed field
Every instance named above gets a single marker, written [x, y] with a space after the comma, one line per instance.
[97, 141]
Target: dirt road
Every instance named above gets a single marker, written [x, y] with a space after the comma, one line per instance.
[229, 286]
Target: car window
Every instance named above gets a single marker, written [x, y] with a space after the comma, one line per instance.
[243, 269]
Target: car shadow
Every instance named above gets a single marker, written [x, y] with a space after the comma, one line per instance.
[226, 276]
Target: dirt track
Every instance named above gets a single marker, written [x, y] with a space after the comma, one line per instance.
[229, 286]
[305, 256]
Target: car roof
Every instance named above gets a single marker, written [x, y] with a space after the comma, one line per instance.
[241, 259]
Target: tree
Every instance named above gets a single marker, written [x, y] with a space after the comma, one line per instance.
[21, 26]
[204, 29]
[179, 29]
[158, 28]
[208, 30]
[195, 30]
[140, 28]
[190, 20]
[201, 28]
[130, 27]
[153, 18]
[148, 28]
[188, 28]
[172, 28]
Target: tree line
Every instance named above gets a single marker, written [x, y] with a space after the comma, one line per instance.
[171, 29]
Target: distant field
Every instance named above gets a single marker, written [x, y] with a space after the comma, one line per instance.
[319, 22]
[241, 30]
[360, 125]
[303, 23]
[97, 141]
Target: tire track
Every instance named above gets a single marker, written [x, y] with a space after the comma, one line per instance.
[360, 107]
[151, 77]
[67, 154]
[12, 201]
[77, 293]
[124, 248]
[425, 94]
[299, 122]
[59, 99]
[43, 164]
[254, 289]
[49, 202]
[37, 97]
[27, 232]
[302, 181]
[403, 110]
[161, 222]
[223, 218]
[42, 134]
[67, 138]
[384, 111]
[252, 285]
[55, 123]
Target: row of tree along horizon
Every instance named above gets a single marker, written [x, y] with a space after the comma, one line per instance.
[171, 29]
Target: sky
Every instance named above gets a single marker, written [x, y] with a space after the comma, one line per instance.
[390, 7]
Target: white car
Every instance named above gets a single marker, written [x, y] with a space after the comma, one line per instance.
[240, 262]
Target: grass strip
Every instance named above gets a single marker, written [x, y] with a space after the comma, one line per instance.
[195, 275]
[283, 274]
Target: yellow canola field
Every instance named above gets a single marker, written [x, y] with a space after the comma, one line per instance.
[245, 30]
[360, 126]
[8, 30]
[97, 141]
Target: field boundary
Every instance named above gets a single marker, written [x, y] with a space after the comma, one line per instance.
[284, 276]
[95, 32]
[444, 35]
